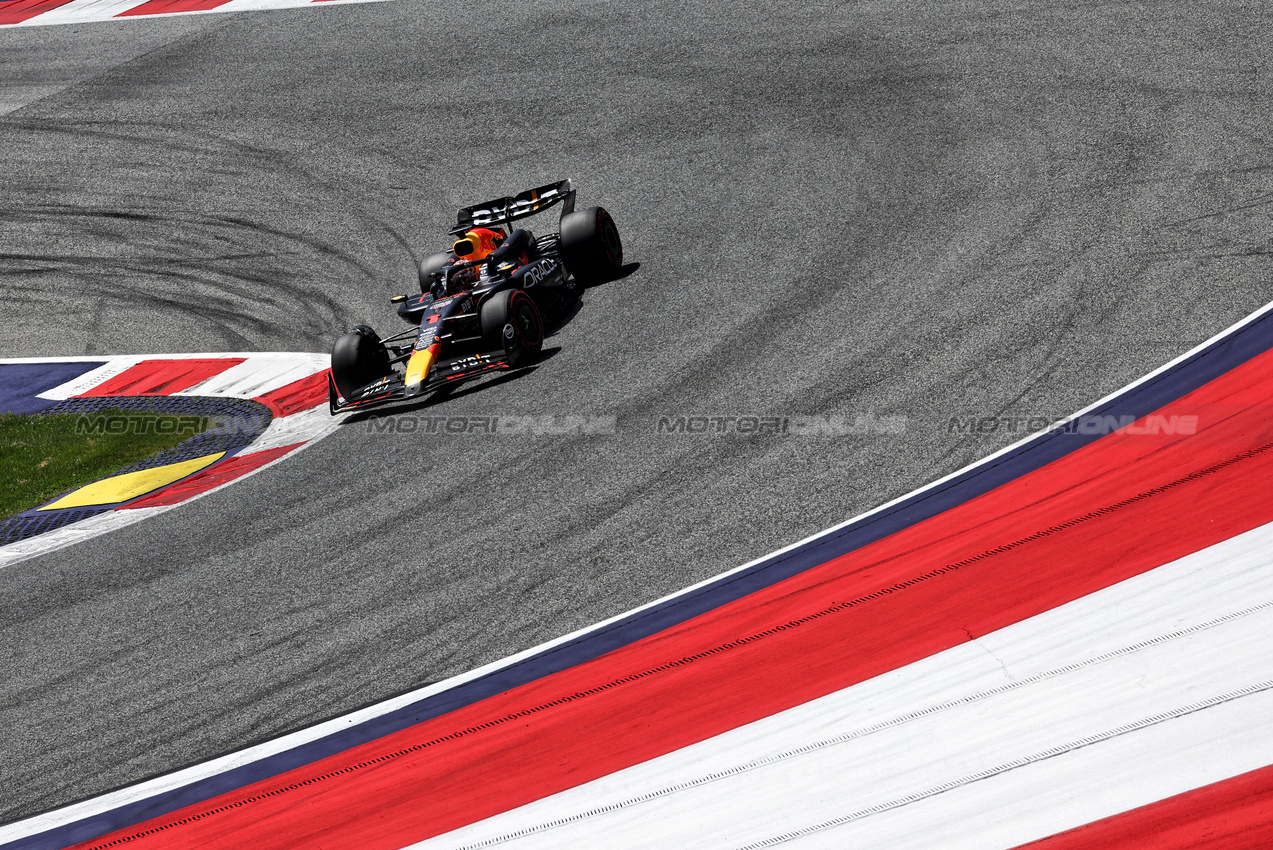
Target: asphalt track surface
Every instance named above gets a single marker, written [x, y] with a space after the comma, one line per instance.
[930, 210]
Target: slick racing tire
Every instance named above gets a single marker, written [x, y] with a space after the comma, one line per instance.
[511, 321]
[429, 266]
[358, 358]
[590, 245]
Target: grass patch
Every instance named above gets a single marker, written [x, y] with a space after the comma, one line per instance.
[44, 456]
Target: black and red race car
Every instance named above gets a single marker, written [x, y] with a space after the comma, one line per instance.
[481, 305]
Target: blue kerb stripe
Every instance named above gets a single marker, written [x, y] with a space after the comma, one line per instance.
[1242, 345]
[20, 383]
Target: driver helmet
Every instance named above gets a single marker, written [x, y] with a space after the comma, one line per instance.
[477, 244]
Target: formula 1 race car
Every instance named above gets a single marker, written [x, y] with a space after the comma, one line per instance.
[481, 304]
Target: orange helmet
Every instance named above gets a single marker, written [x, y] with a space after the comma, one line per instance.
[477, 244]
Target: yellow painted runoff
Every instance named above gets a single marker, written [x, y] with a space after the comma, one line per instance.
[130, 485]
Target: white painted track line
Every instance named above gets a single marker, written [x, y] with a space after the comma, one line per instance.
[69, 535]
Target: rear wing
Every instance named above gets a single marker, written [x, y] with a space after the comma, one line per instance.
[504, 210]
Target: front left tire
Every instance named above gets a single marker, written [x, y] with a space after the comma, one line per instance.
[510, 320]
[358, 358]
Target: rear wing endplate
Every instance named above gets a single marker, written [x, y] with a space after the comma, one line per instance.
[504, 210]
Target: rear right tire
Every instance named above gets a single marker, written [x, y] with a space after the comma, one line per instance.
[429, 267]
[590, 245]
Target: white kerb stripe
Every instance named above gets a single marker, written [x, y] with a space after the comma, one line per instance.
[1083, 785]
[260, 374]
[81, 11]
[92, 378]
[86, 11]
[306, 426]
[1142, 659]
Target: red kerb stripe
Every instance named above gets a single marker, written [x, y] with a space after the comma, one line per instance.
[17, 11]
[1236, 814]
[160, 7]
[307, 393]
[162, 377]
[213, 476]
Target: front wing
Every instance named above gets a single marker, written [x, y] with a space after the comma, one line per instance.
[392, 388]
